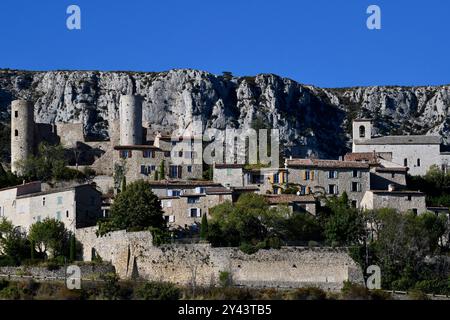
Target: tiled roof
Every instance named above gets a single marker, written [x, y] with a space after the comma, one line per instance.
[57, 190]
[218, 190]
[400, 140]
[288, 198]
[138, 147]
[184, 183]
[316, 163]
[397, 192]
[370, 157]
[228, 165]
[391, 169]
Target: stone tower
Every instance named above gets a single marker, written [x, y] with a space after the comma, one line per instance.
[130, 114]
[362, 130]
[22, 132]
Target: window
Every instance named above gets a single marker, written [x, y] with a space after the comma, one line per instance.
[362, 131]
[393, 175]
[193, 199]
[180, 154]
[418, 162]
[405, 162]
[414, 210]
[332, 174]
[200, 190]
[356, 174]
[170, 219]
[166, 204]
[16, 133]
[228, 171]
[409, 198]
[58, 215]
[175, 172]
[189, 169]
[167, 154]
[174, 143]
[195, 212]
[302, 190]
[306, 175]
[67, 213]
[276, 190]
[276, 178]
[16, 114]
[356, 187]
[1, 212]
[59, 200]
[144, 169]
[174, 193]
[148, 154]
[332, 189]
[354, 203]
[125, 154]
[38, 218]
[43, 201]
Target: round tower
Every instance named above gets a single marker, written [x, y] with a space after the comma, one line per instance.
[22, 132]
[130, 114]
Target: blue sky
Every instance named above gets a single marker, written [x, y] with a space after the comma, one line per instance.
[321, 42]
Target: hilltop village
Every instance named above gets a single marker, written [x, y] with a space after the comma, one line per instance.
[373, 176]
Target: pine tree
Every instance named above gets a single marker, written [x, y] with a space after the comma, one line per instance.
[162, 171]
[72, 248]
[204, 228]
[123, 184]
[155, 177]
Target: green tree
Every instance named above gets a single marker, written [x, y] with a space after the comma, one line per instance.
[162, 171]
[50, 237]
[204, 227]
[13, 242]
[137, 208]
[344, 224]
[249, 221]
[73, 249]
[123, 184]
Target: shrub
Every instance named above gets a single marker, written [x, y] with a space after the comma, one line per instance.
[248, 248]
[418, 295]
[352, 291]
[225, 278]
[309, 293]
[158, 291]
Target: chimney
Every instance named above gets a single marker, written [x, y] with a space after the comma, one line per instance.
[391, 187]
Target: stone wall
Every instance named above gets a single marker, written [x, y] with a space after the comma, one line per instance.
[133, 255]
[88, 272]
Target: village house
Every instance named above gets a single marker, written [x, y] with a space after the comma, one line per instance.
[184, 202]
[76, 206]
[329, 177]
[295, 203]
[266, 180]
[417, 152]
[401, 200]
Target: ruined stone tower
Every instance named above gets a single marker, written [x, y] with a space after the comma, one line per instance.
[22, 132]
[130, 114]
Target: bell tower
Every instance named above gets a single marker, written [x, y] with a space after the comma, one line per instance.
[362, 130]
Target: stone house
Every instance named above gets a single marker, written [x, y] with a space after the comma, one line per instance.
[417, 152]
[186, 210]
[383, 172]
[76, 206]
[329, 177]
[267, 180]
[295, 203]
[401, 200]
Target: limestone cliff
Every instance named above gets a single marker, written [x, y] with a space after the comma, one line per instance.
[310, 119]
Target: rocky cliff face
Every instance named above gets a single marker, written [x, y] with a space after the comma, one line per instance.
[311, 120]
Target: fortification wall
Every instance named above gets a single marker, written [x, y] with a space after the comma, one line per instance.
[133, 255]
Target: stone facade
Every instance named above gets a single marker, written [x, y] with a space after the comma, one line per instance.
[418, 153]
[77, 206]
[330, 177]
[186, 211]
[133, 255]
[402, 201]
